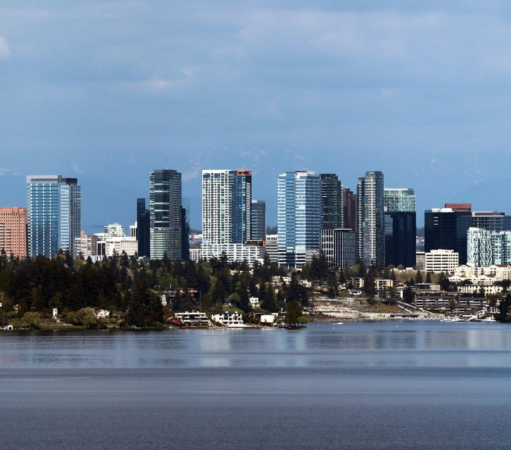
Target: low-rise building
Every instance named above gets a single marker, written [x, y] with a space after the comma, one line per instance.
[254, 302]
[232, 320]
[441, 261]
[194, 318]
[271, 248]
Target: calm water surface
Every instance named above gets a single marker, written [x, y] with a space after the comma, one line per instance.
[353, 386]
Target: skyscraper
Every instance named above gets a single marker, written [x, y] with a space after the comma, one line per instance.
[54, 214]
[226, 215]
[331, 201]
[447, 228]
[349, 205]
[258, 221]
[299, 218]
[400, 227]
[166, 215]
[371, 219]
[143, 228]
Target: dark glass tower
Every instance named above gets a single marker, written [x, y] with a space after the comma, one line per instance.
[331, 201]
[166, 214]
[143, 228]
[349, 205]
[400, 227]
[258, 221]
[447, 229]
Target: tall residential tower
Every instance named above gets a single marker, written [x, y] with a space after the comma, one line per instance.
[299, 218]
[226, 215]
[371, 219]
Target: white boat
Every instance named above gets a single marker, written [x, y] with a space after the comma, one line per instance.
[451, 319]
[489, 319]
[339, 323]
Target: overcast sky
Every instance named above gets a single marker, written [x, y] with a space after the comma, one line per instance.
[109, 90]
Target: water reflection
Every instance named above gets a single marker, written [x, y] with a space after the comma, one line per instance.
[320, 345]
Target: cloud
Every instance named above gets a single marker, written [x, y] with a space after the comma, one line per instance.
[5, 51]
[191, 175]
[76, 167]
[4, 171]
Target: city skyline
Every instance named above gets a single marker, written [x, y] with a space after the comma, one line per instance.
[388, 86]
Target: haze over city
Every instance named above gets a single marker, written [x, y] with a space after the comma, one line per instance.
[110, 91]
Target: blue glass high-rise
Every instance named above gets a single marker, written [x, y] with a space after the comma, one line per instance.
[54, 214]
[299, 218]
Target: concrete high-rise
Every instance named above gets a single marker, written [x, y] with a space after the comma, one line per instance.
[226, 215]
[13, 232]
[54, 214]
[400, 227]
[331, 201]
[299, 218]
[447, 229]
[166, 216]
[371, 219]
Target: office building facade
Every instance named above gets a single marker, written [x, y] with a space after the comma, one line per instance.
[258, 220]
[299, 218]
[54, 214]
[441, 261]
[371, 219]
[331, 201]
[339, 246]
[400, 227]
[13, 232]
[166, 216]
[491, 220]
[447, 229]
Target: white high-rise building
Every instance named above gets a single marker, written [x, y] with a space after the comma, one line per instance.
[226, 216]
[371, 219]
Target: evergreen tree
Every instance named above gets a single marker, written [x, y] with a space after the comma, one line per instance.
[418, 277]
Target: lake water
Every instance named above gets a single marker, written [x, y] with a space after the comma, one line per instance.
[392, 385]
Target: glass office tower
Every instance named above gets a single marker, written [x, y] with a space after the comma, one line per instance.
[258, 219]
[400, 227]
[447, 229]
[299, 218]
[54, 214]
[143, 228]
[166, 215]
[331, 201]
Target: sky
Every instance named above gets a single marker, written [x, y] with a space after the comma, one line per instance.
[108, 91]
